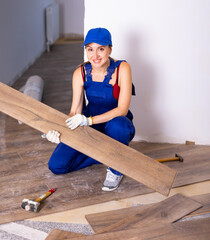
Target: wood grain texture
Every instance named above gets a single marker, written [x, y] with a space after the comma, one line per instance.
[167, 211]
[203, 199]
[87, 140]
[57, 234]
[99, 221]
[188, 230]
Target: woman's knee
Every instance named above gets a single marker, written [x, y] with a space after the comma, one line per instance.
[57, 167]
[121, 129]
[54, 169]
[59, 161]
[66, 159]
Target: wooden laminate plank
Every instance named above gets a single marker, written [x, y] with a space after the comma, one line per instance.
[188, 230]
[57, 234]
[167, 211]
[204, 199]
[87, 140]
[101, 220]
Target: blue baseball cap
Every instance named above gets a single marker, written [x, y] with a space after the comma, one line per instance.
[98, 35]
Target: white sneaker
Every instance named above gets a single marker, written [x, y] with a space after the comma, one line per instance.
[112, 181]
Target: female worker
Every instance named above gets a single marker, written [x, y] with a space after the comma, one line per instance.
[107, 85]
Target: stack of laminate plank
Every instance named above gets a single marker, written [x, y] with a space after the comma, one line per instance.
[155, 221]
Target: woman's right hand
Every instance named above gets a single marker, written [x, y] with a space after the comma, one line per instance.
[53, 136]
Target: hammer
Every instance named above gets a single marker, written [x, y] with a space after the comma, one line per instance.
[34, 206]
[176, 158]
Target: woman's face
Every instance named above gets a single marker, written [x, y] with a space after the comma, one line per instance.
[97, 54]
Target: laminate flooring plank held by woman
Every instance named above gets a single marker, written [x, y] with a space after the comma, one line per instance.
[88, 141]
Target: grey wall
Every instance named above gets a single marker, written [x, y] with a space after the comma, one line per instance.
[22, 36]
[71, 18]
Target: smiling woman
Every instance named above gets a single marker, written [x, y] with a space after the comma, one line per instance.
[107, 85]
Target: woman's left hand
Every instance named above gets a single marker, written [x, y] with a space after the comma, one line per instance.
[78, 120]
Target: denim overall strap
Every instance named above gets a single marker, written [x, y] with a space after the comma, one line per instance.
[110, 71]
[88, 69]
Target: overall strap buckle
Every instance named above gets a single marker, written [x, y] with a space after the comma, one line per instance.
[88, 69]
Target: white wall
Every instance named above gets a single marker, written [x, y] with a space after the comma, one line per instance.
[167, 44]
[71, 17]
[22, 36]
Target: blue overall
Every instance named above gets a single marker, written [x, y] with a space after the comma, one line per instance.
[100, 100]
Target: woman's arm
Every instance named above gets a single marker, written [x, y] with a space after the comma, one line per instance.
[125, 84]
[78, 93]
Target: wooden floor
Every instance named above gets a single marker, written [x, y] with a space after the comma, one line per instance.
[24, 155]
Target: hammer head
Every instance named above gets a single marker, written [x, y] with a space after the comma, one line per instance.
[181, 159]
[30, 205]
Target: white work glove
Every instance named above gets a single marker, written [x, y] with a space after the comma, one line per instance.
[53, 136]
[78, 120]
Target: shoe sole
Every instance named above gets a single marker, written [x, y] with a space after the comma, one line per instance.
[106, 189]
